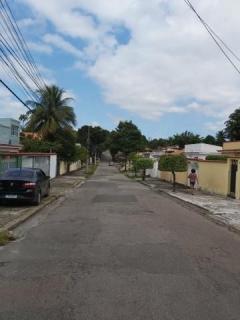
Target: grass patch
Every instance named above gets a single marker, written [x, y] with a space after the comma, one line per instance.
[5, 237]
[91, 169]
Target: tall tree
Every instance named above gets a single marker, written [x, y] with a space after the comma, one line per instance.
[232, 129]
[97, 137]
[127, 138]
[185, 138]
[155, 144]
[209, 139]
[220, 138]
[51, 112]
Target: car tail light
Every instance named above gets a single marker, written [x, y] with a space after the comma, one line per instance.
[29, 185]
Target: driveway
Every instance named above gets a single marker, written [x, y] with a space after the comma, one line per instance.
[115, 250]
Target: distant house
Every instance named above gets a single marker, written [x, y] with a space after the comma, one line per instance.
[201, 150]
[11, 155]
[31, 135]
[9, 135]
[9, 131]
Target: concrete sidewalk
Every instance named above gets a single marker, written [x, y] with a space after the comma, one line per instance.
[225, 211]
[12, 215]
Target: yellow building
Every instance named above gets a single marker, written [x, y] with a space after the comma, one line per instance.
[215, 176]
[232, 151]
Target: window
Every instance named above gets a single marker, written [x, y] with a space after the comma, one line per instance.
[40, 174]
[14, 130]
[19, 173]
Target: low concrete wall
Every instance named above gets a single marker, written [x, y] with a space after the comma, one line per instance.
[64, 167]
[75, 166]
[181, 177]
[213, 176]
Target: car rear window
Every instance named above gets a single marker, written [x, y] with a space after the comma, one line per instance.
[19, 173]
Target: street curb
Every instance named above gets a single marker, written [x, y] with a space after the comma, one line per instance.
[32, 211]
[207, 213]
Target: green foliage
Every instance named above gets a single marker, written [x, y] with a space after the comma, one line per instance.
[217, 157]
[81, 153]
[173, 163]
[97, 142]
[51, 113]
[34, 145]
[210, 140]
[66, 139]
[63, 143]
[232, 129]
[143, 163]
[133, 156]
[220, 138]
[155, 144]
[127, 138]
[185, 138]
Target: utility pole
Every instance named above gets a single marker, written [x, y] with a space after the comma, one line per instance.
[88, 144]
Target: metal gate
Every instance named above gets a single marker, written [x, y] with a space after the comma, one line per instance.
[234, 169]
[8, 163]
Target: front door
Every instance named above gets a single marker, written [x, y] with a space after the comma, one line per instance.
[234, 169]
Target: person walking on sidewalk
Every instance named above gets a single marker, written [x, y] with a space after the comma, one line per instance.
[193, 179]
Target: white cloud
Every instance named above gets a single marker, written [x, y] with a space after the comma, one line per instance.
[9, 107]
[169, 64]
[95, 124]
[59, 42]
[39, 47]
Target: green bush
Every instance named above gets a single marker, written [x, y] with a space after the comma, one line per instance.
[173, 164]
[142, 164]
[216, 158]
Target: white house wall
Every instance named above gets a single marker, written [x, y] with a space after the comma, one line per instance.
[53, 166]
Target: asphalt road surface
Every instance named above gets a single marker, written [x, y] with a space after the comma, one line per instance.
[114, 250]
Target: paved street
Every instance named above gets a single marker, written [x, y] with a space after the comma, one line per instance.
[114, 250]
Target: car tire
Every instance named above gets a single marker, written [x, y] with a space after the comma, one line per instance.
[37, 199]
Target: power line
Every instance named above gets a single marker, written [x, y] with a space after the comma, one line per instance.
[16, 96]
[20, 80]
[216, 38]
[16, 74]
[22, 41]
[16, 43]
[16, 57]
[13, 78]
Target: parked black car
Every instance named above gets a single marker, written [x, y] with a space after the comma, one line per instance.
[24, 184]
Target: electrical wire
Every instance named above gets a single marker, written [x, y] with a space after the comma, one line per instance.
[216, 38]
[21, 39]
[16, 58]
[17, 46]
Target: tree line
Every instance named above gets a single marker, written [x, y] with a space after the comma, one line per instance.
[54, 120]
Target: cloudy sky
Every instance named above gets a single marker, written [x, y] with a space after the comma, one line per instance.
[148, 61]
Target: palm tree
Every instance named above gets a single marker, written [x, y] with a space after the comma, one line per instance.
[51, 113]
